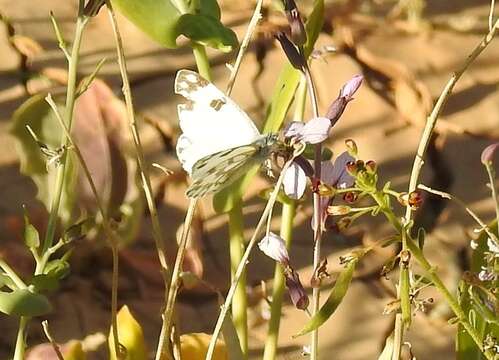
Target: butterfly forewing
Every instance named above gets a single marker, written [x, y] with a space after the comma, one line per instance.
[210, 121]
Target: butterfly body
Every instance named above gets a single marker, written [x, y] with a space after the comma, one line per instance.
[219, 142]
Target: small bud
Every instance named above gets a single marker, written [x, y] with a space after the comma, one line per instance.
[405, 258]
[297, 293]
[351, 87]
[298, 33]
[415, 199]
[274, 247]
[295, 58]
[360, 165]
[488, 153]
[338, 106]
[352, 168]
[92, 7]
[371, 167]
[344, 223]
[350, 197]
[320, 274]
[351, 147]
[338, 210]
[326, 190]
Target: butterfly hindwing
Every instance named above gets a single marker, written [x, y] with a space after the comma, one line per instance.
[218, 170]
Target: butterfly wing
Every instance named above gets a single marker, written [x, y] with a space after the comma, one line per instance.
[216, 171]
[210, 121]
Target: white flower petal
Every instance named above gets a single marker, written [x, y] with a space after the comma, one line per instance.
[295, 181]
[274, 247]
[316, 130]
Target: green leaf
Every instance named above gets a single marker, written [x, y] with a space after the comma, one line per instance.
[78, 231]
[5, 280]
[157, 18]
[205, 7]
[309, 153]
[58, 268]
[207, 31]
[231, 339]
[23, 302]
[45, 282]
[164, 22]
[31, 236]
[333, 301]
[314, 25]
[36, 113]
[283, 95]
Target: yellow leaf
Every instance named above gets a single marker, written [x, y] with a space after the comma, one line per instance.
[130, 336]
[195, 345]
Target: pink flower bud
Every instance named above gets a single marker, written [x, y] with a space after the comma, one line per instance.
[297, 293]
[274, 247]
[488, 153]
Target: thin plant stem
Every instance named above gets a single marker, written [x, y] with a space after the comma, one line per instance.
[242, 264]
[475, 217]
[492, 177]
[426, 137]
[21, 338]
[12, 274]
[111, 236]
[491, 14]
[257, 15]
[49, 337]
[314, 346]
[287, 218]
[236, 251]
[202, 62]
[144, 173]
[164, 341]
[418, 254]
[278, 285]
[69, 113]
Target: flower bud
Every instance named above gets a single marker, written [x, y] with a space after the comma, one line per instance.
[350, 197]
[337, 108]
[295, 58]
[298, 33]
[344, 223]
[326, 190]
[92, 7]
[488, 153]
[415, 199]
[274, 247]
[351, 147]
[297, 293]
[352, 168]
[338, 210]
[371, 167]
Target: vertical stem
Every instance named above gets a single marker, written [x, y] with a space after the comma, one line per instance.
[70, 103]
[492, 178]
[271, 343]
[314, 346]
[244, 260]
[240, 303]
[201, 60]
[21, 339]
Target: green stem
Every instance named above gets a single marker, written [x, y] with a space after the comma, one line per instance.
[202, 62]
[240, 303]
[69, 113]
[242, 265]
[453, 303]
[12, 275]
[21, 339]
[492, 177]
[271, 343]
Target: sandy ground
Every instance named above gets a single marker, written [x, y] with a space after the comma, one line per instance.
[358, 328]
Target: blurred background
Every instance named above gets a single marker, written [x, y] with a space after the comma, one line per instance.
[406, 56]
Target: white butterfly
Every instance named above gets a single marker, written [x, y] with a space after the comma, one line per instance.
[219, 141]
